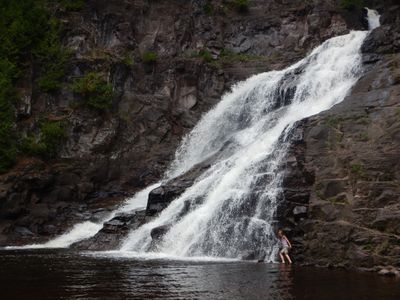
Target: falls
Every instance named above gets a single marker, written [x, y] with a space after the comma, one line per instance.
[373, 18]
[230, 209]
[87, 229]
[232, 205]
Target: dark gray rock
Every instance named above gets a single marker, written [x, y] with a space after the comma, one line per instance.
[158, 232]
[113, 232]
[300, 212]
[351, 152]
[23, 231]
[344, 172]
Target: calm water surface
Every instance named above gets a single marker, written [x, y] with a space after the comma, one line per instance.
[50, 274]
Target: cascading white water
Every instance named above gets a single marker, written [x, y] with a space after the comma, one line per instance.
[87, 229]
[373, 18]
[232, 205]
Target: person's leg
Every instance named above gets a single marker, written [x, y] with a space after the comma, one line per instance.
[288, 258]
[281, 255]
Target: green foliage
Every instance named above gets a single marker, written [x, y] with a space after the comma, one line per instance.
[334, 139]
[52, 134]
[225, 56]
[7, 141]
[241, 5]
[229, 55]
[351, 4]
[205, 55]
[7, 100]
[333, 121]
[52, 57]
[208, 8]
[367, 247]
[382, 247]
[363, 136]
[339, 200]
[124, 115]
[27, 33]
[149, 57]
[357, 169]
[23, 25]
[128, 60]
[72, 4]
[190, 53]
[398, 112]
[32, 146]
[96, 91]
[363, 120]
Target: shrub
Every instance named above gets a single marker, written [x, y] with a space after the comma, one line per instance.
[241, 5]
[7, 157]
[357, 169]
[128, 60]
[22, 26]
[351, 4]
[7, 140]
[72, 4]
[52, 134]
[208, 8]
[363, 136]
[229, 55]
[7, 100]
[149, 57]
[28, 36]
[205, 55]
[398, 112]
[333, 121]
[96, 91]
[52, 58]
[32, 146]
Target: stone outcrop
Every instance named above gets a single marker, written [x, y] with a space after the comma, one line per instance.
[352, 152]
[113, 232]
[109, 155]
[340, 200]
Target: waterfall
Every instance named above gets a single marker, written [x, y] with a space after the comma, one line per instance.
[232, 206]
[87, 229]
[373, 18]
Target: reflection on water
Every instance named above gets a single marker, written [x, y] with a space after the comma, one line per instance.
[45, 274]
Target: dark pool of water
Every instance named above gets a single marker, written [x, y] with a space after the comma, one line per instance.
[45, 274]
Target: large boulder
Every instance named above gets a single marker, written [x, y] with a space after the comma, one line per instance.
[113, 232]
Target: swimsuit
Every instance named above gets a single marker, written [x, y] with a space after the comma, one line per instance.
[285, 246]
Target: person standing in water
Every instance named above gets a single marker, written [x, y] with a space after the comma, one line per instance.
[286, 245]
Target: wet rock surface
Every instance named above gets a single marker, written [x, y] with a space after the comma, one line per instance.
[113, 232]
[114, 153]
[162, 196]
[340, 199]
[352, 152]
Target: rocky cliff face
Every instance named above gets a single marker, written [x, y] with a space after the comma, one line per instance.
[342, 189]
[168, 62]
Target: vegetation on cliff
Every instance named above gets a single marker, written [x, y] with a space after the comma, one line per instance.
[29, 40]
[95, 90]
[52, 134]
[149, 57]
[351, 4]
[71, 4]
